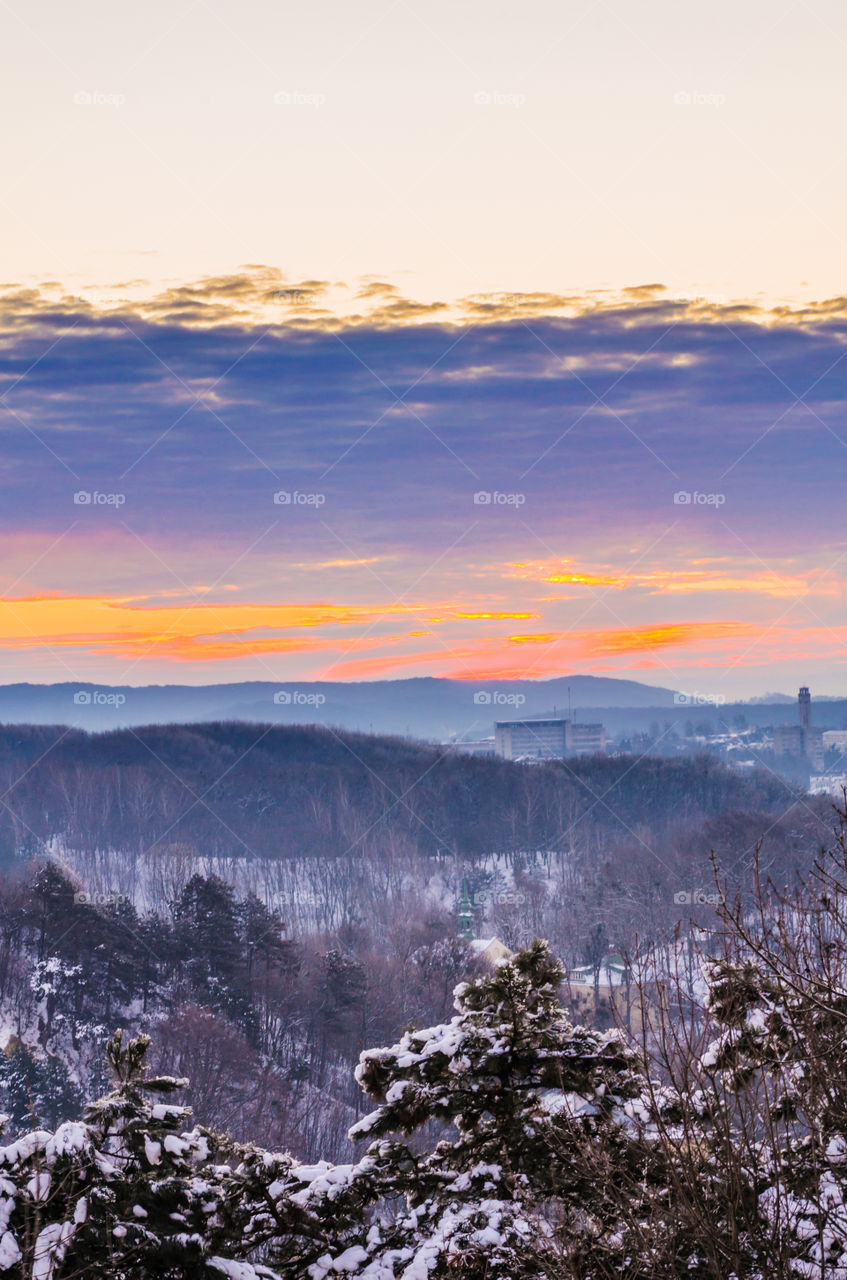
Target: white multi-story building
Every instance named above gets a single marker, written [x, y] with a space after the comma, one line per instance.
[828, 784]
[547, 739]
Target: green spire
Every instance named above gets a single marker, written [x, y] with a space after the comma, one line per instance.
[466, 913]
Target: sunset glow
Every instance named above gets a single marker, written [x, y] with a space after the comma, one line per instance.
[536, 397]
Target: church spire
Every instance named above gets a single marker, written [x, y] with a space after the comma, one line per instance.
[466, 928]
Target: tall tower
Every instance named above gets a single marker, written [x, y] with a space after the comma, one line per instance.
[804, 707]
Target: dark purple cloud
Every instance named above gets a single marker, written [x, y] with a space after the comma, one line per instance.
[597, 419]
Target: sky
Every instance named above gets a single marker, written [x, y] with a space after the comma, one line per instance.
[387, 339]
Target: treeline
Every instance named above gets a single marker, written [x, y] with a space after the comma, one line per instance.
[236, 790]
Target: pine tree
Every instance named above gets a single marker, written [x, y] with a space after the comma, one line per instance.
[124, 1194]
[36, 1091]
[507, 1080]
[210, 943]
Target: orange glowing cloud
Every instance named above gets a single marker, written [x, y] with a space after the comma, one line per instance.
[372, 640]
[780, 586]
[585, 580]
[492, 616]
[78, 619]
[746, 577]
[203, 631]
[495, 656]
[627, 640]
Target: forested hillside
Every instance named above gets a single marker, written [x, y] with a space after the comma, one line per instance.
[242, 790]
[273, 900]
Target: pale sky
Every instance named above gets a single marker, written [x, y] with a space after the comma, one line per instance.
[587, 169]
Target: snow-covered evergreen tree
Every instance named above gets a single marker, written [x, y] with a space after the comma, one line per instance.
[125, 1194]
[36, 1090]
[505, 1082]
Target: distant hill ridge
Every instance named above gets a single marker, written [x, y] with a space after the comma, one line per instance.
[423, 707]
[426, 707]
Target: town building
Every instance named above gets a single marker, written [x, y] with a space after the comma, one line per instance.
[490, 950]
[835, 739]
[828, 784]
[801, 740]
[552, 739]
[789, 740]
[470, 746]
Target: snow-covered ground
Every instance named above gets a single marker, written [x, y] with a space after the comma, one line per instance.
[315, 894]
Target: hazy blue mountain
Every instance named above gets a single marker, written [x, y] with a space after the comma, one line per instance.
[429, 708]
[423, 708]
